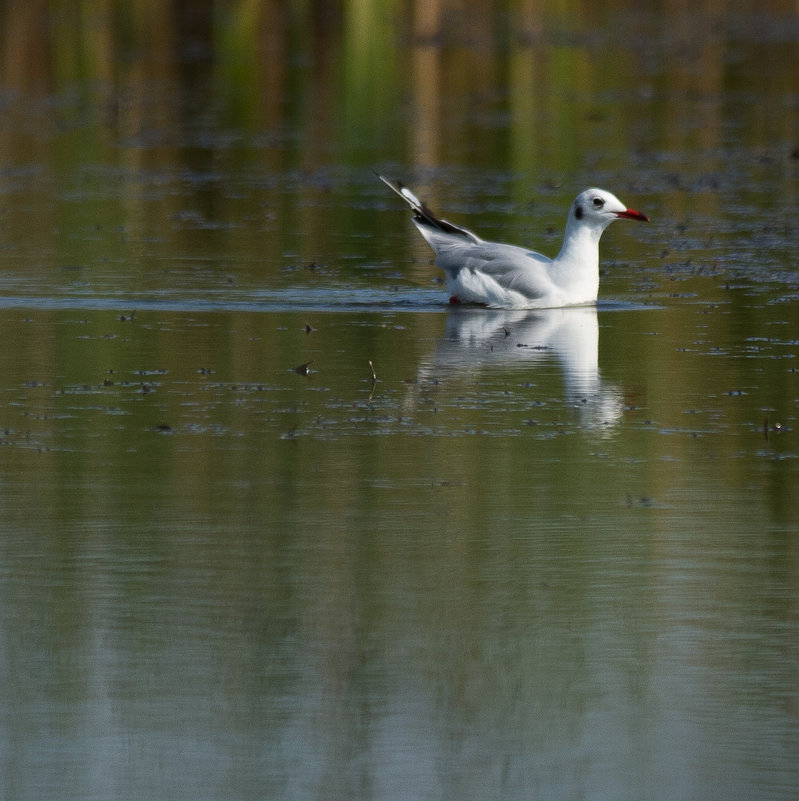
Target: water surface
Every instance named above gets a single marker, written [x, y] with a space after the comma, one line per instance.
[277, 522]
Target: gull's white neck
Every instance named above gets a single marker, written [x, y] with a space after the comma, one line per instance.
[577, 264]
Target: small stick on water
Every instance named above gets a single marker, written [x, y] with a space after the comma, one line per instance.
[374, 380]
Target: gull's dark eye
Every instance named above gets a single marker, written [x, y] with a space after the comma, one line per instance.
[598, 202]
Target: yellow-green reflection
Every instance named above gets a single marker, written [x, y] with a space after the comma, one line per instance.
[554, 562]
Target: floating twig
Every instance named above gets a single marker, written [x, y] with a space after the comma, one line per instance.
[374, 380]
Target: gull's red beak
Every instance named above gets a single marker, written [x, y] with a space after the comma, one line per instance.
[632, 214]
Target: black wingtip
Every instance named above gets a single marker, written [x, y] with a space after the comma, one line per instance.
[422, 213]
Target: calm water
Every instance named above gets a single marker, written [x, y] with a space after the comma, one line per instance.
[548, 555]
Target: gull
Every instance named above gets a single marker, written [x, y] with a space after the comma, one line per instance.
[511, 277]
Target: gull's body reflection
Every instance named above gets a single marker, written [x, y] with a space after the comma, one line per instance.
[479, 340]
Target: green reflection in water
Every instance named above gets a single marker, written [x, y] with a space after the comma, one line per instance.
[559, 562]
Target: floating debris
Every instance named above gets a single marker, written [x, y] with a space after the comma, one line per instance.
[640, 501]
[309, 329]
[312, 267]
[303, 369]
[374, 380]
[768, 428]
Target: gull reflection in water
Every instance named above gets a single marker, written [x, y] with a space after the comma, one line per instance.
[478, 340]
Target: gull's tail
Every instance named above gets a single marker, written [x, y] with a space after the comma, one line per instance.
[424, 217]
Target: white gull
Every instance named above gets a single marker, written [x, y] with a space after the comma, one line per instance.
[511, 277]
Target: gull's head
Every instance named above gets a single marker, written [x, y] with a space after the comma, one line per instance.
[597, 208]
